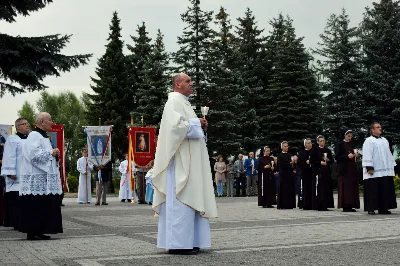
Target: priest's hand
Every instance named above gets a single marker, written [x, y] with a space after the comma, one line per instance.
[267, 166]
[323, 163]
[371, 172]
[55, 152]
[351, 156]
[308, 162]
[204, 123]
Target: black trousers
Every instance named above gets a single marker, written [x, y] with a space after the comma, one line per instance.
[241, 184]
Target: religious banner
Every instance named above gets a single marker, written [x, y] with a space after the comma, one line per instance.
[142, 143]
[5, 131]
[99, 144]
[56, 137]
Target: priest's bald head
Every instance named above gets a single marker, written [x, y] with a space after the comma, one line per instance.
[183, 84]
[43, 121]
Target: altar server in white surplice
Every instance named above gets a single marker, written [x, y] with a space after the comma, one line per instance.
[85, 178]
[378, 173]
[183, 189]
[10, 169]
[125, 192]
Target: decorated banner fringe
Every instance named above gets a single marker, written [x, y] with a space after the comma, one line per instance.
[131, 159]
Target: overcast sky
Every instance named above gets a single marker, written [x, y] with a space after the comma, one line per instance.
[88, 21]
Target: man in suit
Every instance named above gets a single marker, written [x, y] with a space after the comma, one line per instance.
[106, 176]
[250, 166]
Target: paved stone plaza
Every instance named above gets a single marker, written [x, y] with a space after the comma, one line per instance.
[244, 234]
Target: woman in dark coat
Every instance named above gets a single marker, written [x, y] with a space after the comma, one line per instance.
[348, 175]
[321, 158]
[266, 180]
[304, 162]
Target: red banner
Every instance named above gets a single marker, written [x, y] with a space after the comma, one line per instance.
[143, 143]
[56, 137]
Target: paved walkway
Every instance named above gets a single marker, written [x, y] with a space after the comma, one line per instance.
[125, 234]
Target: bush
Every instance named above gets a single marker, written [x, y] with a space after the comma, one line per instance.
[116, 181]
[73, 183]
[397, 183]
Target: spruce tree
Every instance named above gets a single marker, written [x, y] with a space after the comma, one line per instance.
[380, 39]
[140, 52]
[340, 68]
[153, 89]
[112, 97]
[249, 43]
[291, 104]
[193, 54]
[224, 92]
[26, 61]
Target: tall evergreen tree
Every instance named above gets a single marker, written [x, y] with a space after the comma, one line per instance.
[193, 54]
[153, 90]
[291, 105]
[248, 47]
[140, 52]
[340, 68]
[381, 46]
[26, 61]
[112, 97]
[224, 92]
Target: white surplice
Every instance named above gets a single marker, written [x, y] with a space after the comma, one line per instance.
[179, 226]
[125, 191]
[12, 158]
[376, 154]
[40, 174]
[84, 167]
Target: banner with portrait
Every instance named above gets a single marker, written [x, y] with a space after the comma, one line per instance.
[99, 144]
[5, 131]
[56, 137]
[142, 144]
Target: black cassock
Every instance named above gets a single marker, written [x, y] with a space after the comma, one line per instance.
[321, 179]
[306, 179]
[286, 183]
[266, 182]
[348, 176]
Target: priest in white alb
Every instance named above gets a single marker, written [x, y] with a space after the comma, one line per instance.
[10, 169]
[125, 192]
[40, 184]
[84, 167]
[183, 188]
[378, 173]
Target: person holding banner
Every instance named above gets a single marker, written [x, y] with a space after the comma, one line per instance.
[183, 188]
[104, 175]
[11, 170]
[84, 167]
[40, 184]
[125, 192]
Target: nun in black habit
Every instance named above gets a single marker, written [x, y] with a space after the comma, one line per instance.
[347, 171]
[321, 159]
[305, 166]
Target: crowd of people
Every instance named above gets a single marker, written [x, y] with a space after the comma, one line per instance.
[180, 186]
[309, 175]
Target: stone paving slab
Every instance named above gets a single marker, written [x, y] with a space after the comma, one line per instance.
[244, 234]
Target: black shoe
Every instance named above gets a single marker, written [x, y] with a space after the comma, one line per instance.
[349, 210]
[384, 212]
[196, 249]
[122, 200]
[104, 203]
[44, 237]
[143, 202]
[371, 213]
[62, 205]
[182, 252]
[32, 237]
[129, 200]
[97, 203]
[150, 203]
